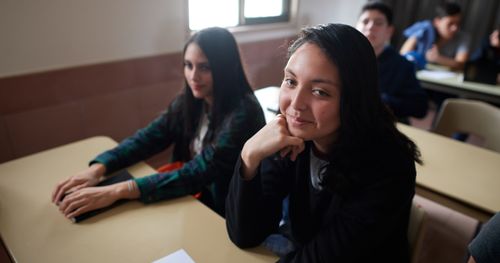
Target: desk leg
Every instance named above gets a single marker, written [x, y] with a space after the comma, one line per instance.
[4, 254]
[456, 205]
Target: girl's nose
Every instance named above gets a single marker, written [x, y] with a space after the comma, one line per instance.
[299, 99]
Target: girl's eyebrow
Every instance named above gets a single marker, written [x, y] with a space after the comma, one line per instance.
[290, 71]
[319, 80]
[203, 63]
[326, 81]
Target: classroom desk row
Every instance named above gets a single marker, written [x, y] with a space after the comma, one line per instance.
[33, 230]
[453, 83]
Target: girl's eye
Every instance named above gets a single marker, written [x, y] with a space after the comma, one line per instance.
[188, 65]
[205, 67]
[320, 93]
[289, 82]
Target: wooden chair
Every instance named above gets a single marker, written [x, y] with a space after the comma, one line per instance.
[444, 233]
[471, 117]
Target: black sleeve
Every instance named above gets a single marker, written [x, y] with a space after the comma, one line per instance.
[253, 207]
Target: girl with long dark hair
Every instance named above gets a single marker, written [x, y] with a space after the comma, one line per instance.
[208, 123]
[335, 151]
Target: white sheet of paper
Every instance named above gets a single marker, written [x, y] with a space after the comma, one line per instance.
[179, 256]
[437, 74]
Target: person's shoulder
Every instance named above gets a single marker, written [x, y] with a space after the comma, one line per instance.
[390, 54]
[417, 28]
[392, 154]
[248, 103]
[175, 106]
[177, 101]
[248, 107]
[462, 37]
[462, 34]
[250, 99]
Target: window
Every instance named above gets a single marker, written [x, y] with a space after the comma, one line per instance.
[232, 13]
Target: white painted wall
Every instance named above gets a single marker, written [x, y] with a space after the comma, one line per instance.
[49, 34]
[52, 34]
[313, 12]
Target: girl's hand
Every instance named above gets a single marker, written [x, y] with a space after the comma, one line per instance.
[86, 178]
[91, 198]
[270, 139]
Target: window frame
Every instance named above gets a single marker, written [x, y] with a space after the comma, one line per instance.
[283, 18]
[246, 24]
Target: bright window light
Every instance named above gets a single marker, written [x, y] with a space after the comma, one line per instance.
[221, 13]
[263, 8]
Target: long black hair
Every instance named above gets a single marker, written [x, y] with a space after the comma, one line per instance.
[364, 119]
[230, 84]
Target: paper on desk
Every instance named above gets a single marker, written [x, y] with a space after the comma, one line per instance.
[179, 256]
[437, 74]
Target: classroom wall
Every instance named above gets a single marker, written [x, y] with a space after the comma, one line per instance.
[74, 69]
[53, 34]
[313, 12]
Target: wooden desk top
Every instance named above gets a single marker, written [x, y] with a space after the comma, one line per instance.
[34, 230]
[462, 171]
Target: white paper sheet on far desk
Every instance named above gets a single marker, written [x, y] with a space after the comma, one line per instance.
[437, 74]
[179, 256]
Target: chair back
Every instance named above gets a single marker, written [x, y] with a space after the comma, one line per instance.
[471, 117]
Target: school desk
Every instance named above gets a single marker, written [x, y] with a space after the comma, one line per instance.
[33, 229]
[452, 83]
[459, 175]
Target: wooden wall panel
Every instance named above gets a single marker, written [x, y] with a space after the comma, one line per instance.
[46, 109]
[36, 130]
[114, 115]
[6, 152]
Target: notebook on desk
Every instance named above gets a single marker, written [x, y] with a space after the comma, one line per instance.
[481, 71]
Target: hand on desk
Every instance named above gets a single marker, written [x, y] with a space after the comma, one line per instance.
[77, 194]
[92, 198]
[86, 178]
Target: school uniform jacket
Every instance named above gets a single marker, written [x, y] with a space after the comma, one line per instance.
[368, 223]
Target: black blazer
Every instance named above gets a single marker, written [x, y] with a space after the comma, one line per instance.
[366, 223]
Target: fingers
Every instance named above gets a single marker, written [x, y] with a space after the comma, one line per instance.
[296, 150]
[79, 211]
[74, 205]
[55, 192]
[60, 190]
[280, 119]
[295, 147]
[68, 200]
[284, 152]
